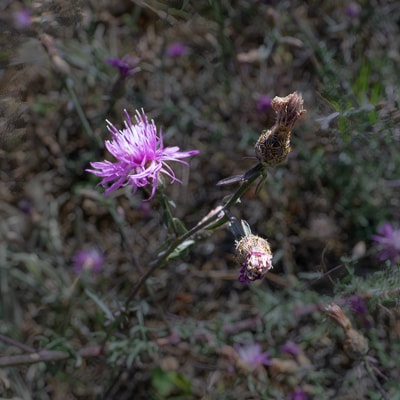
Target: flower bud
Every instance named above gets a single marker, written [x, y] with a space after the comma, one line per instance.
[255, 256]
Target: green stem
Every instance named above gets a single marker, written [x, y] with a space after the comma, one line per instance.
[82, 116]
[375, 380]
[179, 240]
[167, 209]
[163, 258]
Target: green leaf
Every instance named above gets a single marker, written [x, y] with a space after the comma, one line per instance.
[179, 250]
[168, 382]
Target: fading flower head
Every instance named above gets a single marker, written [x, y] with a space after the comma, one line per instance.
[141, 156]
[127, 66]
[255, 257]
[252, 355]
[388, 243]
[90, 260]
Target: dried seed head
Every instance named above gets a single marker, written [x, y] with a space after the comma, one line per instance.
[255, 256]
[336, 313]
[355, 344]
[273, 146]
[288, 109]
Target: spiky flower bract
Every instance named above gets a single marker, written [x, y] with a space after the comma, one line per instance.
[141, 156]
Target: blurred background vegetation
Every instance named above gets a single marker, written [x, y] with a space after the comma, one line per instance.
[207, 70]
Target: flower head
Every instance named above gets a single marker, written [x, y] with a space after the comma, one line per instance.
[388, 243]
[255, 256]
[176, 50]
[88, 260]
[357, 304]
[299, 394]
[22, 19]
[252, 355]
[264, 103]
[353, 10]
[141, 156]
[127, 66]
[291, 348]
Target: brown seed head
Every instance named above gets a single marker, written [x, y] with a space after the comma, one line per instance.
[288, 109]
[336, 313]
[355, 344]
[273, 145]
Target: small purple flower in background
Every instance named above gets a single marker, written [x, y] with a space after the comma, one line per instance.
[90, 260]
[357, 305]
[264, 103]
[127, 66]
[141, 156]
[251, 354]
[353, 10]
[298, 394]
[388, 243]
[22, 19]
[290, 348]
[176, 50]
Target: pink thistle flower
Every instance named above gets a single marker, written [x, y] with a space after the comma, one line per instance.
[252, 355]
[176, 50]
[388, 243]
[141, 156]
[90, 260]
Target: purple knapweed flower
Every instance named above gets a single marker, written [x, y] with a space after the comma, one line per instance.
[299, 394]
[388, 243]
[141, 156]
[252, 355]
[90, 260]
[264, 103]
[176, 50]
[291, 348]
[127, 66]
[22, 19]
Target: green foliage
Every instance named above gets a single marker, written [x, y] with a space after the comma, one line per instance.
[169, 384]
